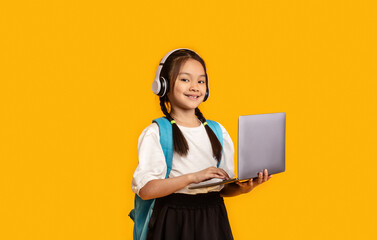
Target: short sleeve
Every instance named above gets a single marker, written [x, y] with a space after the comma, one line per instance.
[227, 159]
[152, 163]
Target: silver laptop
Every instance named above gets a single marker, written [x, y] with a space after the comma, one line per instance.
[261, 145]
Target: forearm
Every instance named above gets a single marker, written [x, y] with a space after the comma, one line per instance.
[163, 187]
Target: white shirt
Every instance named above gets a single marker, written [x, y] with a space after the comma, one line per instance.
[152, 163]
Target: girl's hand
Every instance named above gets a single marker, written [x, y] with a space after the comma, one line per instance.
[246, 187]
[208, 173]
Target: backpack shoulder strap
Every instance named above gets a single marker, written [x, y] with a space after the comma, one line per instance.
[218, 132]
[166, 141]
[142, 212]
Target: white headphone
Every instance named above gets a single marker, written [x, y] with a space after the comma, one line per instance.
[160, 84]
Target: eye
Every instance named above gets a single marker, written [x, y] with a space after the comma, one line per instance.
[184, 80]
[202, 81]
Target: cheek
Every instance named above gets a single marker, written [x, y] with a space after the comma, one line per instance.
[178, 90]
[175, 93]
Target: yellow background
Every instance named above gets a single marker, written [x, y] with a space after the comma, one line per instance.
[76, 93]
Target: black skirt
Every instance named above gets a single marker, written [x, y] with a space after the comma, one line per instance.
[189, 217]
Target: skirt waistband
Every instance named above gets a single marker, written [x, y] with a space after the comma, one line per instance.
[188, 200]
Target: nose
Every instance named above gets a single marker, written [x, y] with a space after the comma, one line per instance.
[194, 86]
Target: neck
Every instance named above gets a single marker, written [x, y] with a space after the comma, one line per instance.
[185, 118]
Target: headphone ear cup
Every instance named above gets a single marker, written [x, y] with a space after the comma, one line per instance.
[164, 87]
[206, 96]
[156, 86]
[159, 86]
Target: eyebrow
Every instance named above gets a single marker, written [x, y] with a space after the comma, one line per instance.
[190, 74]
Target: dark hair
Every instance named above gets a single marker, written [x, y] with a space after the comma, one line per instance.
[170, 71]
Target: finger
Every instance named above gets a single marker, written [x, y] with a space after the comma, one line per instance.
[265, 175]
[247, 183]
[225, 173]
[241, 184]
[260, 178]
[250, 182]
[215, 175]
[220, 174]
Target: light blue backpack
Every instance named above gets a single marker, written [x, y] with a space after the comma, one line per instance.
[143, 209]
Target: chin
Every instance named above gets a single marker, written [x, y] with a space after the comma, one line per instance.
[190, 107]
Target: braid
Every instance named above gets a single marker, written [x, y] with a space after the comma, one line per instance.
[164, 109]
[215, 143]
[179, 142]
[200, 116]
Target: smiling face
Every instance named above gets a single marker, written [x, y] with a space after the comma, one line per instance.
[190, 86]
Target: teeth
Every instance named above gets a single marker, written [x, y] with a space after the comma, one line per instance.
[192, 96]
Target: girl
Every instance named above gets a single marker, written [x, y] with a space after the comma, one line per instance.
[180, 212]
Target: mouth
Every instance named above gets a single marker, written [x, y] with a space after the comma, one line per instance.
[194, 97]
